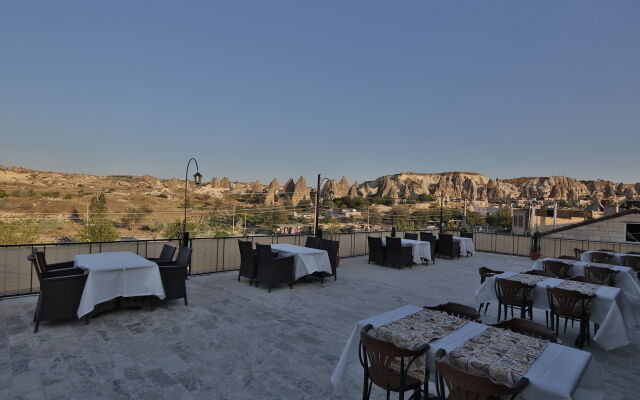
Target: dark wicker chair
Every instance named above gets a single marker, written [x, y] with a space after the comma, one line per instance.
[448, 247]
[332, 247]
[166, 255]
[248, 261]
[605, 276]
[411, 236]
[578, 252]
[632, 261]
[398, 255]
[457, 310]
[376, 250]
[378, 358]
[174, 275]
[272, 270]
[601, 258]
[425, 235]
[56, 269]
[484, 274]
[59, 296]
[512, 294]
[462, 385]
[540, 272]
[559, 269]
[570, 305]
[433, 245]
[528, 328]
[312, 242]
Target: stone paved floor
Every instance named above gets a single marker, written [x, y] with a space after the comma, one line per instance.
[238, 342]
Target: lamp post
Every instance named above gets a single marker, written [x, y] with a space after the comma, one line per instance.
[316, 230]
[197, 179]
[442, 202]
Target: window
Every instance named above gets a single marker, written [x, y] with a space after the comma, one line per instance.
[632, 233]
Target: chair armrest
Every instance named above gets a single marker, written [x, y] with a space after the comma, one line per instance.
[283, 262]
[172, 267]
[165, 263]
[59, 279]
[61, 265]
[63, 272]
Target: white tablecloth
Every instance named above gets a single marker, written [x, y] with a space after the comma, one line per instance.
[419, 250]
[560, 373]
[610, 309]
[117, 274]
[626, 278]
[466, 245]
[307, 260]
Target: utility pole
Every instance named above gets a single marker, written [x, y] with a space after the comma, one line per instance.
[368, 226]
[233, 220]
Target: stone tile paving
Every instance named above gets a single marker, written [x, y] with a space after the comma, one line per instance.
[234, 341]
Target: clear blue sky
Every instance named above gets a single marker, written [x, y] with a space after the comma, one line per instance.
[257, 89]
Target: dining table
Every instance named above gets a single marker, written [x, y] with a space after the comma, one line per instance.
[306, 259]
[557, 372]
[420, 251]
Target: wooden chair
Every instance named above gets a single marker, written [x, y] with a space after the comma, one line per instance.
[332, 247]
[462, 385]
[398, 255]
[457, 310]
[274, 270]
[484, 274]
[376, 250]
[411, 236]
[606, 276]
[166, 254]
[578, 252]
[312, 242]
[528, 328]
[514, 294]
[540, 272]
[448, 246]
[248, 261]
[174, 275]
[570, 305]
[377, 357]
[601, 258]
[632, 261]
[59, 296]
[557, 268]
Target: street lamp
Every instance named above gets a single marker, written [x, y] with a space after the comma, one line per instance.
[316, 231]
[442, 203]
[197, 179]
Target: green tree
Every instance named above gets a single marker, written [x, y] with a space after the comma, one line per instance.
[502, 217]
[173, 230]
[475, 218]
[3, 193]
[99, 228]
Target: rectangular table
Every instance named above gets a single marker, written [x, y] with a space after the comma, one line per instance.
[306, 260]
[560, 373]
[117, 274]
[419, 249]
[610, 309]
[626, 278]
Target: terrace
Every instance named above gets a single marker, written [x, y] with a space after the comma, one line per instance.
[234, 341]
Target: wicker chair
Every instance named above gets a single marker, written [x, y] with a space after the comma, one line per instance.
[248, 262]
[484, 274]
[332, 247]
[578, 252]
[166, 255]
[433, 246]
[378, 358]
[514, 294]
[559, 269]
[528, 328]
[59, 296]
[376, 250]
[398, 255]
[56, 269]
[174, 275]
[312, 242]
[632, 261]
[606, 276]
[570, 305]
[601, 258]
[425, 235]
[274, 270]
[462, 385]
[540, 272]
[448, 247]
[411, 236]
[457, 310]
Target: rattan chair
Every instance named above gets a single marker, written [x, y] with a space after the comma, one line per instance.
[632, 261]
[570, 305]
[457, 310]
[559, 269]
[528, 328]
[312, 242]
[512, 294]
[248, 261]
[174, 275]
[462, 385]
[332, 247]
[448, 246]
[606, 276]
[411, 236]
[578, 252]
[59, 296]
[272, 270]
[484, 274]
[425, 235]
[376, 250]
[601, 258]
[398, 255]
[55, 269]
[166, 255]
[378, 358]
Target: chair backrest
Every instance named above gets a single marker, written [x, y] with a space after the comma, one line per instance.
[394, 244]
[540, 272]
[184, 255]
[265, 256]
[33, 257]
[601, 258]
[411, 236]
[374, 242]
[569, 303]
[528, 328]
[631, 261]
[246, 252]
[558, 268]
[513, 292]
[167, 252]
[330, 246]
[578, 252]
[457, 310]
[466, 235]
[602, 274]
[424, 236]
[463, 385]
[487, 273]
[567, 258]
[445, 237]
[312, 242]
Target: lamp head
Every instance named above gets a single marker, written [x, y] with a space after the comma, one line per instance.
[197, 178]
